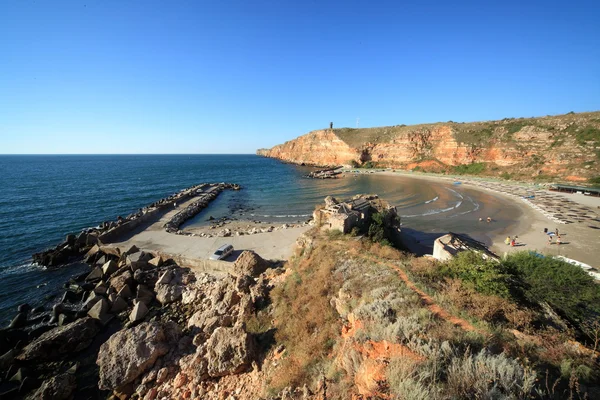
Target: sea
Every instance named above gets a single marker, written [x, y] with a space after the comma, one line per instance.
[46, 197]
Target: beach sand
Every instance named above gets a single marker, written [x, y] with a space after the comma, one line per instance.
[275, 245]
[580, 240]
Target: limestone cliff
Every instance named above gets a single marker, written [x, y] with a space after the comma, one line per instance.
[563, 147]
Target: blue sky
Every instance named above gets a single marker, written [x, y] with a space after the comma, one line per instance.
[232, 76]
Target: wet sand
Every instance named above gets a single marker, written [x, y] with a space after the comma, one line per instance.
[580, 236]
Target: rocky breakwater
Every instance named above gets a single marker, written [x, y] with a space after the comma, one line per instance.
[137, 326]
[205, 194]
[76, 245]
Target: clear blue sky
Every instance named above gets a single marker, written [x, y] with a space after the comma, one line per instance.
[175, 76]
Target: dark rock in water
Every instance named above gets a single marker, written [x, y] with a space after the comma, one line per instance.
[70, 297]
[7, 359]
[95, 275]
[63, 319]
[57, 388]
[24, 308]
[19, 320]
[70, 240]
[27, 384]
[34, 333]
[60, 341]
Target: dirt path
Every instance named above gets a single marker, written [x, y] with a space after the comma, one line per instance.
[428, 301]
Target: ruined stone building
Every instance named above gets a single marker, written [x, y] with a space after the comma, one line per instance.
[357, 212]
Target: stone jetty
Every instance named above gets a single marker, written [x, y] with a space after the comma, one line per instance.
[330, 173]
[133, 324]
[205, 194]
[76, 246]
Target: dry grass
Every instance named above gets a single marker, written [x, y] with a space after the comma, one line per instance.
[305, 322]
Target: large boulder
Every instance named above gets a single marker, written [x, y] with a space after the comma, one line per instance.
[62, 340]
[250, 263]
[229, 351]
[129, 353]
[56, 388]
[119, 281]
[168, 293]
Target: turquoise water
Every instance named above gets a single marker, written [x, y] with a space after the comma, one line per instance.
[46, 197]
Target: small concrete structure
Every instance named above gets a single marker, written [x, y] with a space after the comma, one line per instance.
[449, 245]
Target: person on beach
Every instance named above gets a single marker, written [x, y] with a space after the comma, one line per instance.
[557, 239]
[556, 231]
[489, 219]
[550, 239]
[513, 242]
[507, 240]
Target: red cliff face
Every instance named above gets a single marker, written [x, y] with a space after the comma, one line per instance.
[565, 147]
[320, 148]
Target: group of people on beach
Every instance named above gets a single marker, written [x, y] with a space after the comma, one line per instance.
[551, 236]
[511, 241]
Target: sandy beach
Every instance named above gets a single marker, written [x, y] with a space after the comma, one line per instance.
[580, 237]
[278, 244]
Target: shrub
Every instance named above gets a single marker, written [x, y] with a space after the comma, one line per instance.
[568, 289]
[470, 169]
[488, 376]
[484, 276]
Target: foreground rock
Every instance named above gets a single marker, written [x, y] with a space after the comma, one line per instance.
[229, 351]
[62, 340]
[56, 388]
[129, 353]
[250, 263]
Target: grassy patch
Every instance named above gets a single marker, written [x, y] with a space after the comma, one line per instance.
[470, 169]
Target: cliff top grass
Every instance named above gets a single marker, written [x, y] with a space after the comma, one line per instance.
[356, 302]
[584, 127]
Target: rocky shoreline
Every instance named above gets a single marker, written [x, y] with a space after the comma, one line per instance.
[135, 325]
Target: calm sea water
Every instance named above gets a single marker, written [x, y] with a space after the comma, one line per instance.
[44, 198]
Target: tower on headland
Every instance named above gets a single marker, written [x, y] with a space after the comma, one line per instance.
[331, 125]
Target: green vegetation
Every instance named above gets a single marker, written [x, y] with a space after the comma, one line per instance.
[506, 175]
[568, 289]
[470, 169]
[595, 181]
[527, 278]
[485, 276]
[369, 165]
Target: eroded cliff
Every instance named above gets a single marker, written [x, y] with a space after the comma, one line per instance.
[555, 147]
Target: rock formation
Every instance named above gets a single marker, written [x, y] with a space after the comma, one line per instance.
[565, 146]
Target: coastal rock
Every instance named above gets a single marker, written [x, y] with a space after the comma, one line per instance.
[156, 262]
[139, 312]
[118, 305]
[62, 340]
[129, 353]
[144, 294]
[100, 311]
[250, 263]
[229, 351]
[19, 320]
[168, 293]
[109, 268]
[123, 279]
[56, 388]
[137, 260]
[125, 292]
[96, 274]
